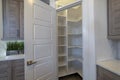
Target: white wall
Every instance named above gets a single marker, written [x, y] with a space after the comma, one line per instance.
[52, 3]
[89, 64]
[96, 45]
[1, 20]
[104, 48]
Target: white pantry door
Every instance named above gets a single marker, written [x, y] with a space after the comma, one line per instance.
[40, 41]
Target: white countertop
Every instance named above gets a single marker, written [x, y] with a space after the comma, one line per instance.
[111, 65]
[12, 57]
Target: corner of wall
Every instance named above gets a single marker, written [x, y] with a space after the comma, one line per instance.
[105, 49]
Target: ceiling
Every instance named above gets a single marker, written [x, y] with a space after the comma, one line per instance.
[60, 3]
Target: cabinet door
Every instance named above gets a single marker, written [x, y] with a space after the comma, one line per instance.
[5, 70]
[107, 75]
[4, 78]
[21, 19]
[103, 74]
[114, 19]
[13, 19]
[18, 69]
[99, 73]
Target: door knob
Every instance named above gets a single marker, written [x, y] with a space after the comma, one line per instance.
[30, 62]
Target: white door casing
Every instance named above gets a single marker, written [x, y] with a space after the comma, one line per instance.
[40, 41]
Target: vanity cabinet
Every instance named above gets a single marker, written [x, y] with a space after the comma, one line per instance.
[5, 70]
[12, 70]
[18, 69]
[103, 74]
[113, 19]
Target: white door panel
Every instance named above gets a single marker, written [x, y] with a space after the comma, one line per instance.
[42, 23]
[45, 77]
[45, 49]
[40, 41]
[40, 11]
[45, 68]
[42, 32]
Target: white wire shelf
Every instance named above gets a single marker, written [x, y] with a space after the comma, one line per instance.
[62, 54]
[74, 46]
[74, 34]
[74, 58]
[61, 35]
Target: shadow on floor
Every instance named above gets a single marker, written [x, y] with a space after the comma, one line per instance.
[75, 76]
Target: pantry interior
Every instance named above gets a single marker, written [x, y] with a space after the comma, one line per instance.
[69, 28]
[101, 51]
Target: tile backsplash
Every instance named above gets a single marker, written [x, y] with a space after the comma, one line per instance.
[3, 48]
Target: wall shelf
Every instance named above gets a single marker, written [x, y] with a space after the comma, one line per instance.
[74, 47]
[62, 71]
[74, 34]
[69, 44]
[61, 45]
[62, 64]
[71, 70]
[61, 26]
[75, 58]
[61, 35]
[71, 59]
[61, 54]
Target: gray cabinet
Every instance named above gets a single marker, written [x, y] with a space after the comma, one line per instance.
[13, 22]
[12, 70]
[103, 74]
[5, 78]
[18, 69]
[113, 19]
[5, 70]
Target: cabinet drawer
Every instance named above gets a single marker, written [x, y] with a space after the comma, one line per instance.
[18, 63]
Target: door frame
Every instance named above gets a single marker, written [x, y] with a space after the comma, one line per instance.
[88, 23]
[89, 55]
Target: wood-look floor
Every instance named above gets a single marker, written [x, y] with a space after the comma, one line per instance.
[71, 77]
